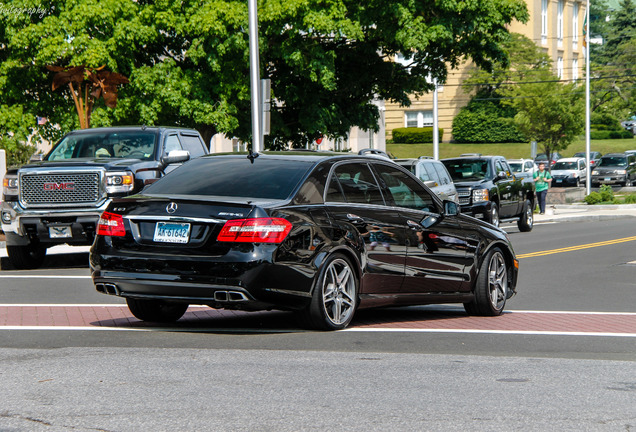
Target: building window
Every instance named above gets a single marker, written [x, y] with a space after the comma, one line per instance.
[575, 69]
[419, 118]
[560, 23]
[560, 67]
[575, 26]
[544, 22]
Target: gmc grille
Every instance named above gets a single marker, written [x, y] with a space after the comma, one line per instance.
[464, 196]
[59, 189]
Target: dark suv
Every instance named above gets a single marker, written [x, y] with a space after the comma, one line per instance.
[615, 168]
[59, 198]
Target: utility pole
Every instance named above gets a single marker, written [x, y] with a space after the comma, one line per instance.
[435, 124]
[588, 179]
[255, 80]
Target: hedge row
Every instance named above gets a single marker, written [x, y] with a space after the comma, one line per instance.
[485, 127]
[415, 135]
[614, 134]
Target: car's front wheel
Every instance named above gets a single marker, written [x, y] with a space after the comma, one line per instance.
[335, 296]
[491, 287]
[26, 257]
[156, 310]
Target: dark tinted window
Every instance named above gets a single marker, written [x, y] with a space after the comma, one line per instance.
[357, 183]
[613, 161]
[467, 169]
[234, 177]
[193, 144]
[404, 190]
[312, 190]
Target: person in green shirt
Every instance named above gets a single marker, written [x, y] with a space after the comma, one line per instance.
[542, 180]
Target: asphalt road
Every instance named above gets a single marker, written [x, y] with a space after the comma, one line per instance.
[259, 372]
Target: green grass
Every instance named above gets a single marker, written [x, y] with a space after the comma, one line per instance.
[510, 151]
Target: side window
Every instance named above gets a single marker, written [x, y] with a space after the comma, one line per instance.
[172, 143]
[443, 175]
[193, 144]
[432, 174]
[529, 166]
[502, 166]
[357, 184]
[422, 173]
[405, 191]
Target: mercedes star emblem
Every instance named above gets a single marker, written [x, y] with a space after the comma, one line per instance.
[172, 207]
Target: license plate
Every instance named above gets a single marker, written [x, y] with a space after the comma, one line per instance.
[60, 232]
[608, 179]
[559, 180]
[172, 232]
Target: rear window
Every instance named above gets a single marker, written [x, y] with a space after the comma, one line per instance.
[234, 177]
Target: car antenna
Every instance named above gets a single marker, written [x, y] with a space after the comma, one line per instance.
[251, 156]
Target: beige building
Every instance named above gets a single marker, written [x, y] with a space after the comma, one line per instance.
[554, 25]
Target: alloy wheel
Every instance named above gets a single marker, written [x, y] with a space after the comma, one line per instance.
[338, 292]
[497, 280]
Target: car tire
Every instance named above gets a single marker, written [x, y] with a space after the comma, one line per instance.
[493, 216]
[526, 220]
[156, 310]
[335, 296]
[26, 257]
[491, 286]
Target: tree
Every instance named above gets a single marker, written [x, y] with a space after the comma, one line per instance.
[486, 118]
[188, 60]
[548, 111]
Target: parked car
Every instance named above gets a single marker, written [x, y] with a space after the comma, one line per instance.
[58, 198]
[594, 156]
[569, 172]
[319, 234]
[434, 175]
[488, 190]
[615, 168]
[522, 167]
[543, 158]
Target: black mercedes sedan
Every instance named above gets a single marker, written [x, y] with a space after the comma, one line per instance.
[316, 233]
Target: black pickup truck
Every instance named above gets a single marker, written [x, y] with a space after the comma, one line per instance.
[489, 190]
[59, 198]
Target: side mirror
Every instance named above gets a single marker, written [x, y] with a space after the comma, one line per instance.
[501, 175]
[175, 156]
[38, 157]
[430, 183]
[451, 208]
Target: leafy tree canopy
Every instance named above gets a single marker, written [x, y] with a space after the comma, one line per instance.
[188, 60]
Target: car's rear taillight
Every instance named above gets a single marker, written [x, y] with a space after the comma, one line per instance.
[111, 224]
[257, 230]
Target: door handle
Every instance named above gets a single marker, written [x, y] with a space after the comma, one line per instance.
[413, 225]
[355, 219]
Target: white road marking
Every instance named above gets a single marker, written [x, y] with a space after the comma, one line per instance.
[506, 332]
[2, 276]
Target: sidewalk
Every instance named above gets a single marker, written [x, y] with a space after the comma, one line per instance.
[584, 212]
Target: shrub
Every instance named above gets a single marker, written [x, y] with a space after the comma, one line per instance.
[610, 134]
[485, 127]
[593, 198]
[415, 135]
[606, 192]
[630, 199]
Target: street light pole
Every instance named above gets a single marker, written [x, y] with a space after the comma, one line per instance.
[588, 179]
[255, 79]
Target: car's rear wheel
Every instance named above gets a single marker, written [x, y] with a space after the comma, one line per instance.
[526, 220]
[335, 296]
[26, 257]
[491, 288]
[156, 310]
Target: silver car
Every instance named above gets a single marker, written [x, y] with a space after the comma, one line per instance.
[433, 174]
[568, 172]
